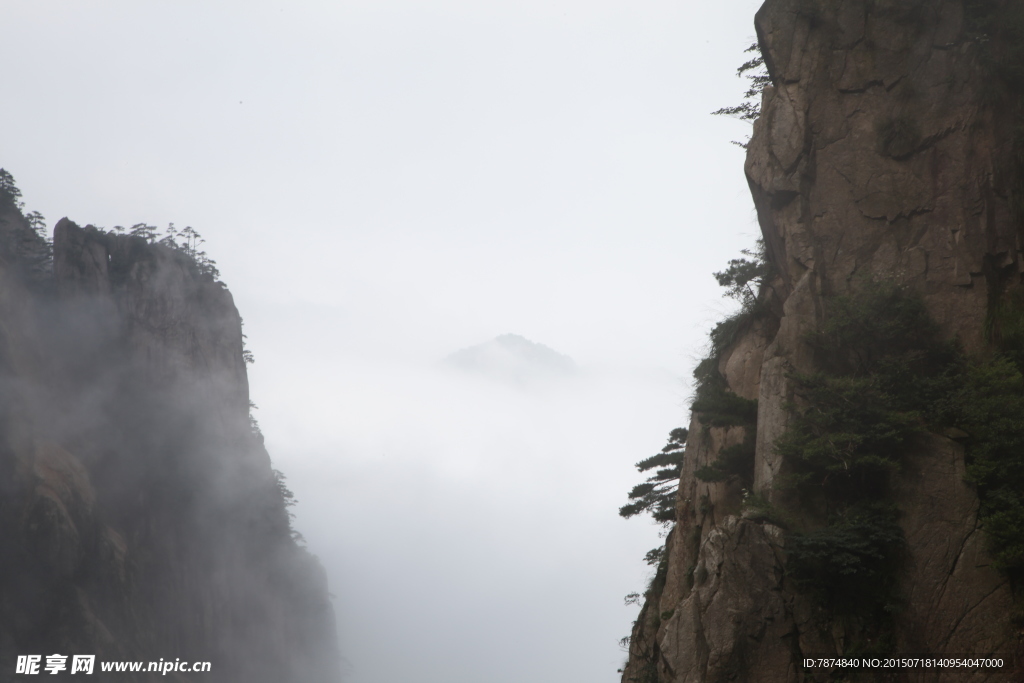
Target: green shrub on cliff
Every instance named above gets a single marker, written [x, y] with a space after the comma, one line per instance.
[885, 372]
[714, 403]
[732, 461]
[1004, 325]
[852, 563]
[989, 408]
[889, 375]
[850, 437]
[853, 421]
[881, 329]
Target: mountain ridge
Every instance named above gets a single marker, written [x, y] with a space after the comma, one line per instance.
[140, 511]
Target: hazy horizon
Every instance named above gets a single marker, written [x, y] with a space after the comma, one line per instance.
[383, 185]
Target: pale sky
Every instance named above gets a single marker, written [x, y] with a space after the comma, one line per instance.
[384, 183]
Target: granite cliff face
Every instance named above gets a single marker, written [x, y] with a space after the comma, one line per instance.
[140, 517]
[884, 150]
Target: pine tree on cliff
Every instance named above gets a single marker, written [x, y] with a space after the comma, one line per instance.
[658, 494]
[10, 195]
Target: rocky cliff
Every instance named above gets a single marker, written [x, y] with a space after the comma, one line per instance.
[887, 150]
[140, 517]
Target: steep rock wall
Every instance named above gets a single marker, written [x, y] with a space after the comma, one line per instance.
[880, 152]
[140, 517]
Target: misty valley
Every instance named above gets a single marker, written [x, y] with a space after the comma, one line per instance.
[476, 327]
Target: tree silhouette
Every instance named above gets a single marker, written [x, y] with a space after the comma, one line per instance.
[757, 75]
[657, 495]
[10, 195]
[744, 276]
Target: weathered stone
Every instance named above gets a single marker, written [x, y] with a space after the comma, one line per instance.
[956, 602]
[734, 624]
[877, 155]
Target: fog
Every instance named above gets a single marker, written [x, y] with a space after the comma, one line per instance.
[383, 184]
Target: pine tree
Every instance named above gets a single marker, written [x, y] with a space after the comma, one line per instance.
[658, 494]
[10, 195]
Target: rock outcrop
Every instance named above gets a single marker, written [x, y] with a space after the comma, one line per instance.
[882, 151]
[140, 517]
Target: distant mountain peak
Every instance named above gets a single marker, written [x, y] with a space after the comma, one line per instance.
[512, 357]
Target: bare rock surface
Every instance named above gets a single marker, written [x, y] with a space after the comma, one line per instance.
[878, 154]
[956, 601]
[734, 623]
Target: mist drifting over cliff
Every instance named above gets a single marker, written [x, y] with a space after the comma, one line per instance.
[382, 185]
[141, 517]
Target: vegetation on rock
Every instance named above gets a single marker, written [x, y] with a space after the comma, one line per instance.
[714, 404]
[133, 482]
[887, 376]
[10, 195]
[657, 495]
[988, 406]
[34, 248]
[185, 242]
[887, 380]
[852, 562]
[885, 369]
[757, 77]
